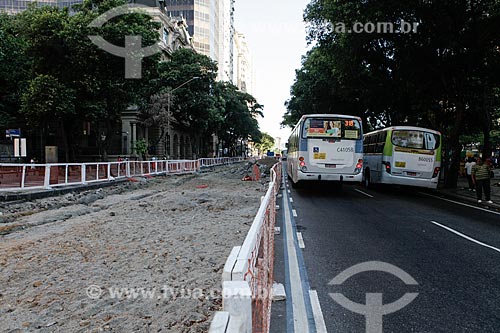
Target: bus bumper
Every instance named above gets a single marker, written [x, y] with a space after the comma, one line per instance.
[407, 181]
[330, 177]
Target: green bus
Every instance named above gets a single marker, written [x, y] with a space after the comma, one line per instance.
[402, 155]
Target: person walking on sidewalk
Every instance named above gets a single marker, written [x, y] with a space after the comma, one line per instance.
[481, 178]
[468, 171]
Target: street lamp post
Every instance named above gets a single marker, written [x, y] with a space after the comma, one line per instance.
[169, 112]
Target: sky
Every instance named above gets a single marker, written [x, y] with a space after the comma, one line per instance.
[276, 36]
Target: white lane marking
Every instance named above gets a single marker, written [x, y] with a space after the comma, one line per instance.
[301, 240]
[368, 195]
[460, 203]
[317, 313]
[301, 323]
[289, 191]
[465, 236]
[291, 199]
[294, 213]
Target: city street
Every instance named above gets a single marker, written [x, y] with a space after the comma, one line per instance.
[451, 250]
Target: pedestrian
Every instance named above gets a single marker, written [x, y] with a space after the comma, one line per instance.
[468, 171]
[481, 178]
[33, 167]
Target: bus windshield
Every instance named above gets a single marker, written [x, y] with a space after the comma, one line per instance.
[415, 139]
[331, 128]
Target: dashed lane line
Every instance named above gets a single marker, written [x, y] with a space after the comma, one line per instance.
[364, 193]
[465, 236]
[300, 240]
[317, 312]
[460, 203]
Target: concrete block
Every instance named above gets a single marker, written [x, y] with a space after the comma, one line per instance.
[279, 293]
[219, 323]
[237, 300]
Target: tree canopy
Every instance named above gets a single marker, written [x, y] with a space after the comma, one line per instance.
[444, 74]
[53, 75]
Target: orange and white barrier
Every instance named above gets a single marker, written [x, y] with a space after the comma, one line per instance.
[249, 271]
[24, 177]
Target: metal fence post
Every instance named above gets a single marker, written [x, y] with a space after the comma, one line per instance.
[84, 174]
[23, 176]
[46, 181]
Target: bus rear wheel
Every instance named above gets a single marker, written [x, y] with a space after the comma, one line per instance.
[366, 179]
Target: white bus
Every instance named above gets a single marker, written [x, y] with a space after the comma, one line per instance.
[326, 147]
[402, 155]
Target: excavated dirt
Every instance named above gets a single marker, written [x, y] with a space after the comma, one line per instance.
[135, 257]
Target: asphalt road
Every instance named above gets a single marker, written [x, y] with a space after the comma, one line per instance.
[458, 278]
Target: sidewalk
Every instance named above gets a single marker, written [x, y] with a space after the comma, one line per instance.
[462, 192]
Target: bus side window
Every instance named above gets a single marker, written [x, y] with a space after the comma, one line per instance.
[373, 144]
[430, 141]
[367, 144]
[381, 142]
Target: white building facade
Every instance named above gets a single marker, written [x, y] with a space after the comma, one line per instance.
[243, 76]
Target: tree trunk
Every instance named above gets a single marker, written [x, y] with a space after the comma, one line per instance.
[65, 141]
[455, 147]
[486, 126]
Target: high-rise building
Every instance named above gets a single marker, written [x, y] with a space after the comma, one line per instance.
[16, 6]
[227, 36]
[243, 68]
[210, 24]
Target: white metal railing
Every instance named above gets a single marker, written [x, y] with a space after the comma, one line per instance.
[22, 177]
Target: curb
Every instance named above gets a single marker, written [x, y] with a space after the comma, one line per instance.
[40, 194]
[468, 200]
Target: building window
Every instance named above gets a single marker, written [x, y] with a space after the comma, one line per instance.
[165, 36]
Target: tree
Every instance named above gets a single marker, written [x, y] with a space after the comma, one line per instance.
[265, 144]
[438, 76]
[141, 147]
[192, 103]
[13, 71]
[49, 101]
[237, 120]
[202, 106]
[58, 47]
